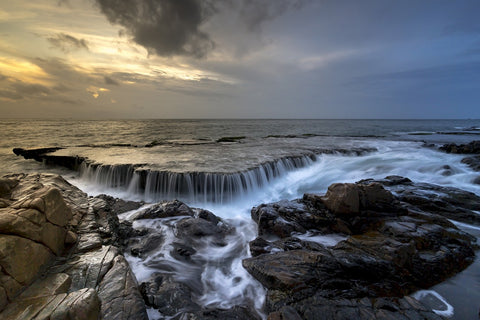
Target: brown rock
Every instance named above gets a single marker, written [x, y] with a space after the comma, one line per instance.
[342, 198]
[22, 258]
[6, 186]
[71, 238]
[11, 286]
[3, 298]
[49, 201]
[32, 224]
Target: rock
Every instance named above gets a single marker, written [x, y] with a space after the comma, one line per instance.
[3, 298]
[86, 269]
[393, 248]
[32, 224]
[165, 209]
[51, 285]
[70, 238]
[22, 258]
[342, 198]
[191, 228]
[168, 296]
[471, 147]
[6, 186]
[49, 201]
[472, 162]
[146, 245]
[83, 304]
[39, 214]
[10, 285]
[350, 198]
[119, 293]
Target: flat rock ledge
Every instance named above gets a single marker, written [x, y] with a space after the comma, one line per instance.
[393, 245]
[61, 253]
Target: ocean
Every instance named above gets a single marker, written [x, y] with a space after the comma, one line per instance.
[229, 166]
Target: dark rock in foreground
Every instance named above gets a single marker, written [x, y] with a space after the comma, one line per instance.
[392, 249]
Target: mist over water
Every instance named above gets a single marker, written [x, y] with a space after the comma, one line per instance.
[273, 160]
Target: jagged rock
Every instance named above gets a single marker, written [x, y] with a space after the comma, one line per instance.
[449, 202]
[119, 294]
[471, 147]
[167, 295]
[144, 246]
[87, 269]
[22, 258]
[391, 251]
[165, 209]
[39, 210]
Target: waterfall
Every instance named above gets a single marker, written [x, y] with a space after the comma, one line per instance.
[216, 187]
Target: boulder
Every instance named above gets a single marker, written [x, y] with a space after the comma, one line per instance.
[351, 198]
[22, 258]
[165, 209]
[49, 201]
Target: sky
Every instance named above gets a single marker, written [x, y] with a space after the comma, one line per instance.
[142, 59]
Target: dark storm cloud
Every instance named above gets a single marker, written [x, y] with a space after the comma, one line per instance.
[167, 27]
[172, 27]
[66, 42]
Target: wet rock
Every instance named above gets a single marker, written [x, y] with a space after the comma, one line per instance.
[471, 147]
[472, 162]
[393, 249]
[194, 228]
[168, 296]
[449, 202]
[144, 246]
[350, 198]
[165, 209]
[119, 294]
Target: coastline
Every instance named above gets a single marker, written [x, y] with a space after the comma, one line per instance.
[101, 237]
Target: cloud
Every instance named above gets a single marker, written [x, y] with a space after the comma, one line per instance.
[166, 27]
[111, 81]
[67, 43]
[172, 27]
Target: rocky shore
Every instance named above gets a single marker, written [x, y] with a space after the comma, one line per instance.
[62, 252]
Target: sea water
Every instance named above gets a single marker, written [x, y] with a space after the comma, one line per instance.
[265, 161]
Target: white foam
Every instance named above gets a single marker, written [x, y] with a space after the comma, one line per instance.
[328, 240]
[433, 297]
